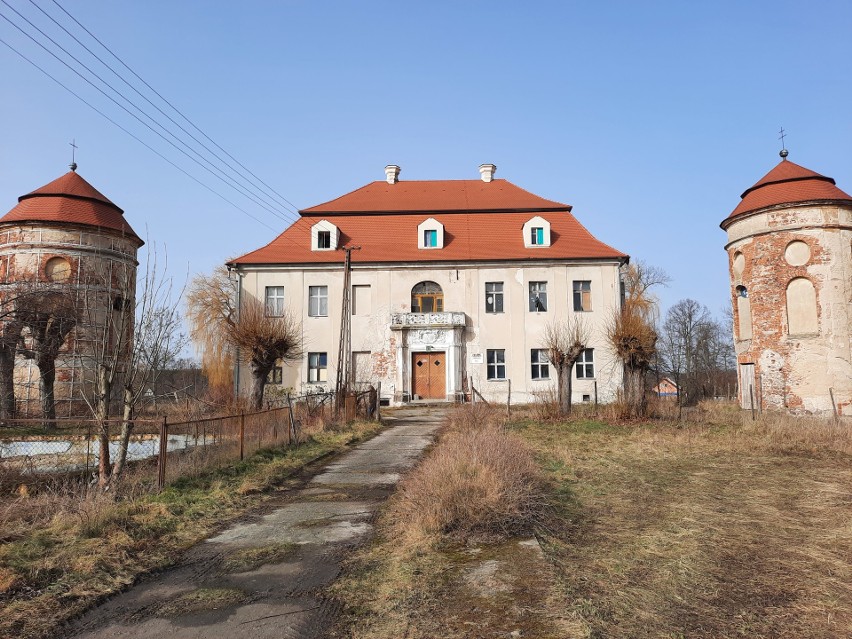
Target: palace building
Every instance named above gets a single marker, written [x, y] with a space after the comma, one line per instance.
[453, 282]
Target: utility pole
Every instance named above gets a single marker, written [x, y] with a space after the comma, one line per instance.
[344, 353]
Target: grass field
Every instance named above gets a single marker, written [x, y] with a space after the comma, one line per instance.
[710, 528]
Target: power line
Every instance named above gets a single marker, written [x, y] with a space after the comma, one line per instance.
[227, 180]
[178, 111]
[251, 184]
[135, 137]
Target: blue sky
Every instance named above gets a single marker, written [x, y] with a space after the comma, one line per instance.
[649, 118]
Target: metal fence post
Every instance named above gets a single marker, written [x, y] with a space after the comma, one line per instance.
[161, 462]
[509, 400]
[242, 435]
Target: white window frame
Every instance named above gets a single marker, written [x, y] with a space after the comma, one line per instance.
[540, 295]
[274, 301]
[585, 364]
[497, 295]
[430, 224]
[539, 364]
[579, 287]
[331, 229]
[537, 222]
[317, 368]
[318, 294]
[493, 369]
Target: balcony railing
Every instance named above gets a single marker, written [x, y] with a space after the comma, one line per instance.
[446, 318]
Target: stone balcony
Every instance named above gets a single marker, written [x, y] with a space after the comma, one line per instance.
[445, 319]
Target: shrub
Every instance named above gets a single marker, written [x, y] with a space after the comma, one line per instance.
[480, 481]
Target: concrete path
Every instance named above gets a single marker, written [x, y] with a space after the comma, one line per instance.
[228, 586]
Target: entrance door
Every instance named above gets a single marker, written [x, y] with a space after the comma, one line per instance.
[429, 375]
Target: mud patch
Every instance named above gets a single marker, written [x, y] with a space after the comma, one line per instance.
[202, 600]
[248, 559]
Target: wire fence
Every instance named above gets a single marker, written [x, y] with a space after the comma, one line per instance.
[159, 451]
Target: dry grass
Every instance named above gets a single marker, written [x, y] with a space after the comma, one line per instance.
[63, 549]
[480, 480]
[713, 526]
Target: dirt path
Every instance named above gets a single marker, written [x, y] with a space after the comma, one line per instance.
[266, 576]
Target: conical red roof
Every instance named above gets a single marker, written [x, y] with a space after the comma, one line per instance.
[72, 200]
[788, 183]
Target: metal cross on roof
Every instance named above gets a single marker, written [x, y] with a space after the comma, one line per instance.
[73, 165]
[781, 137]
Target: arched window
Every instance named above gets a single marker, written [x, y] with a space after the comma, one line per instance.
[427, 297]
[801, 307]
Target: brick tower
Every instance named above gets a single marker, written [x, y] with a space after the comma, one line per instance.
[790, 257]
[67, 239]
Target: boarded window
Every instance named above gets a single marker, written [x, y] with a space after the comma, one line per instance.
[744, 316]
[801, 307]
[362, 302]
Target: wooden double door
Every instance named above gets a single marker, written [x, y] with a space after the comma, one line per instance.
[429, 375]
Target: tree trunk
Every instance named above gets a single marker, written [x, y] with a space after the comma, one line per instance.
[634, 386]
[563, 388]
[258, 383]
[47, 377]
[102, 415]
[7, 382]
[124, 440]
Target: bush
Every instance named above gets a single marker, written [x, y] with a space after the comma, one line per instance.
[480, 481]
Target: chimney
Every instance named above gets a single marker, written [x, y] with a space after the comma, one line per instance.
[392, 173]
[487, 171]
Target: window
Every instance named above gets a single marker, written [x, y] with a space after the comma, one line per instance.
[317, 367]
[276, 375]
[537, 236]
[275, 301]
[538, 296]
[324, 236]
[362, 301]
[493, 297]
[427, 297]
[586, 364]
[536, 232]
[540, 361]
[430, 234]
[120, 304]
[323, 239]
[496, 363]
[317, 301]
[582, 295]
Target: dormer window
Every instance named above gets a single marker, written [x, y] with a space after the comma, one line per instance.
[324, 236]
[537, 236]
[537, 233]
[430, 234]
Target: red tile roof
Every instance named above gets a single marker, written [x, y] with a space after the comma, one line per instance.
[477, 233]
[788, 183]
[437, 195]
[73, 200]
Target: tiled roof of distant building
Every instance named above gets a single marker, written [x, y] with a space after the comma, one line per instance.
[70, 199]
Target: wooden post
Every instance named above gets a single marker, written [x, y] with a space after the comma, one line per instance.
[291, 430]
[242, 435]
[751, 395]
[509, 400]
[760, 394]
[378, 415]
[833, 403]
[472, 395]
[596, 393]
[161, 461]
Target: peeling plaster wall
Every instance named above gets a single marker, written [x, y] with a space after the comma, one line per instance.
[795, 371]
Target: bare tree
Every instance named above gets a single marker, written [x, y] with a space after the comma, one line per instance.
[222, 333]
[157, 340]
[262, 340]
[10, 335]
[631, 332]
[46, 317]
[565, 340]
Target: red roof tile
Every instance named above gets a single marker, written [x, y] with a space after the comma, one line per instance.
[437, 195]
[467, 237]
[73, 200]
[788, 183]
